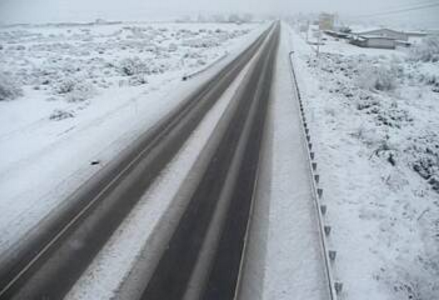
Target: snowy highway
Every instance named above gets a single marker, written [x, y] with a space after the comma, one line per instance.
[210, 222]
[219, 150]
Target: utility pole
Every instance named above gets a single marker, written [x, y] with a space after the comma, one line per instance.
[307, 31]
[318, 42]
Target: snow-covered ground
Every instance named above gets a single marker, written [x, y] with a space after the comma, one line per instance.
[70, 95]
[374, 123]
[79, 63]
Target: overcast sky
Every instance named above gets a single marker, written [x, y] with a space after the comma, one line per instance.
[40, 11]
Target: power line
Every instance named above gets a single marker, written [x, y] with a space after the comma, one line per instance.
[401, 10]
[411, 3]
[407, 5]
[397, 11]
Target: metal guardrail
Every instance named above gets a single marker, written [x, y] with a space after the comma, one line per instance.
[335, 286]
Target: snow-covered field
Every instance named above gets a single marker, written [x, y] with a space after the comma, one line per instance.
[78, 63]
[71, 95]
[374, 123]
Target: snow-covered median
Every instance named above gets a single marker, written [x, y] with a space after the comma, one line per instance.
[374, 124]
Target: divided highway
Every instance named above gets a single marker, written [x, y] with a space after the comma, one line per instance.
[220, 204]
[203, 256]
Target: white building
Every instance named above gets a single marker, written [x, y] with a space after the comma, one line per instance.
[373, 42]
[385, 33]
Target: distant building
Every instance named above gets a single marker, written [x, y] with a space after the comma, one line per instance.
[416, 34]
[326, 21]
[385, 37]
[337, 34]
[373, 42]
[415, 37]
[385, 33]
[432, 32]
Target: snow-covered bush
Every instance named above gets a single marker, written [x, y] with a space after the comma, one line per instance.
[60, 114]
[66, 86]
[131, 66]
[202, 43]
[172, 47]
[425, 158]
[80, 95]
[369, 135]
[428, 78]
[379, 77]
[137, 80]
[427, 50]
[9, 90]
[75, 90]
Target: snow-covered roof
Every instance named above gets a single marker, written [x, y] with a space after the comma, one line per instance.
[377, 37]
[415, 33]
[358, 38]
[368, 37]
[363, 32]
[433, 31]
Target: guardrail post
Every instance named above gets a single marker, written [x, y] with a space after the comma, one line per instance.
[317, 178]
[323, 209]
[338, 287]
[327, 229]
[332, 254]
